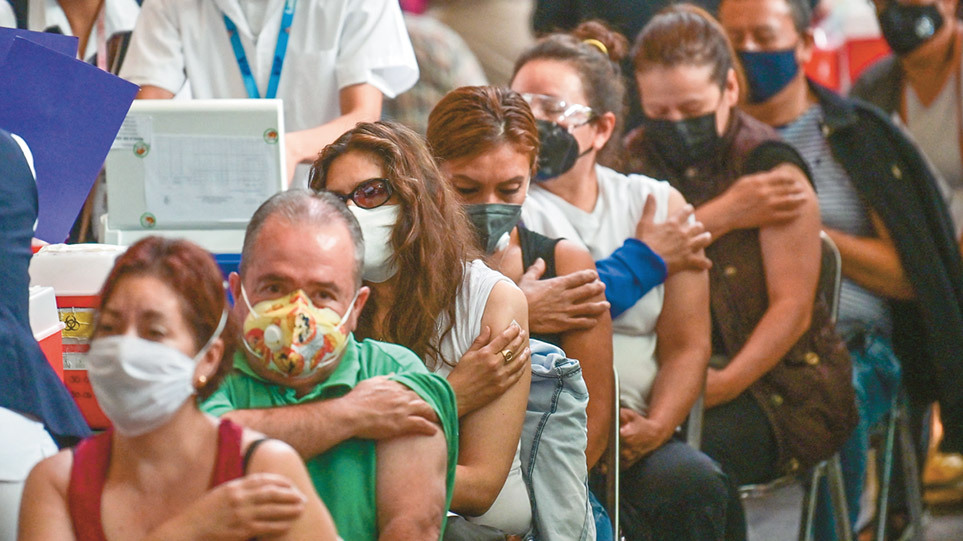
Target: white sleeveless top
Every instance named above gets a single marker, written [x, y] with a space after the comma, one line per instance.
[511, 512]
[613, 220]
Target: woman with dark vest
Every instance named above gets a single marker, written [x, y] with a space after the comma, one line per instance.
[778, 392]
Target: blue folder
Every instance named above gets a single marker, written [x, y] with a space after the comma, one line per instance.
[58, 42]
[68, 112]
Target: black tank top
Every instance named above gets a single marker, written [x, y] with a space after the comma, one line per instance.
[536, 246]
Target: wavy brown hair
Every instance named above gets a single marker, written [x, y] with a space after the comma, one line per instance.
[472, 120]
[432, 240]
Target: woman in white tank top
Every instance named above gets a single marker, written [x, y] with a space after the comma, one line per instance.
[431, 294]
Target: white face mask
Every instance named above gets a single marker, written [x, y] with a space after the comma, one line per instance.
[376, 227]
[140, 384]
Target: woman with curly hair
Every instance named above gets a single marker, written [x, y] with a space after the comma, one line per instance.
[432, 294]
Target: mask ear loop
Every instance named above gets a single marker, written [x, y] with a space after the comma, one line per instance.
[246, 301]
[217, 333]
[247, 347]
[347, 314]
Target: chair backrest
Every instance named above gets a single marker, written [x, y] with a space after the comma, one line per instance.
[613, 472]
[830, 275]
[693, 429]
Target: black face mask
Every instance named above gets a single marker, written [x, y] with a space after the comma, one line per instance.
[683, 143]
[492, 221]
[558, 150]
[905, 28]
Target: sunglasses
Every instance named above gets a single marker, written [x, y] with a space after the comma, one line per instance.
[369, 194]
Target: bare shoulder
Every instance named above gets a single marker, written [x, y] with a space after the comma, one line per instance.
[570, 257]
[271, 455]
[53, 472]
[676, 200]
[44, 511]
[505, 303]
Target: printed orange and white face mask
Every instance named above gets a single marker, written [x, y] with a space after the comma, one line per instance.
[292, 337]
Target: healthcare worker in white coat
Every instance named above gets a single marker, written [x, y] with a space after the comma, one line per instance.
[330, 61]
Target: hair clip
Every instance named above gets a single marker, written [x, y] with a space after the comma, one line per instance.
[596, 43]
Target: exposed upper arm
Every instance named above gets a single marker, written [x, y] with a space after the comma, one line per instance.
[275, 456]
[411, 486]
[44, 512]
[363, 99]
[684, 321]
[593, 349]
[683, 346]
[791, 254]
[506, 303]
[570, 257]
[151, 92]
[490, 434]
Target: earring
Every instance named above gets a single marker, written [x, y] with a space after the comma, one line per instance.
[201, 380]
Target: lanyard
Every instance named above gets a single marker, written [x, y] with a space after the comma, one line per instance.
[279, 51]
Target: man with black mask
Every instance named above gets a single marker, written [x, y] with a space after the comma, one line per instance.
[901, 306]
[921, 82]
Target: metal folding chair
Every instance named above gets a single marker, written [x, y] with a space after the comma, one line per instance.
[897, 426]
[830, 281]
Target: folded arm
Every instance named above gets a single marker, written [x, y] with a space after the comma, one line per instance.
[359, 103]
[873, 263]
[756, 200]
[314, 521]
[376, 408]
[629, 273]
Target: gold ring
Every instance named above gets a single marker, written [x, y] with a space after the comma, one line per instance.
[509, 355]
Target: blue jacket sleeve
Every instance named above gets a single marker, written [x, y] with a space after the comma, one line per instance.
[629, 273]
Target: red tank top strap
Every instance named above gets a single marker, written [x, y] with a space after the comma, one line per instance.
[87, 477]
[230, 461]
[88, 474]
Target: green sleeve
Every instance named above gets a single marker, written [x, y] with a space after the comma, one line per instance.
[220, 402]
[436, 391]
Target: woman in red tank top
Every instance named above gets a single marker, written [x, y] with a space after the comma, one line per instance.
[165, 470]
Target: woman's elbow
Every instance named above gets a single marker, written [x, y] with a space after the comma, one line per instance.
[805, 319]
[480, 500]
[423, 524]
[800, 316]
[902, 289]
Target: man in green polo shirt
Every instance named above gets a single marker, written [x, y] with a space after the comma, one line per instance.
[379, 434]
